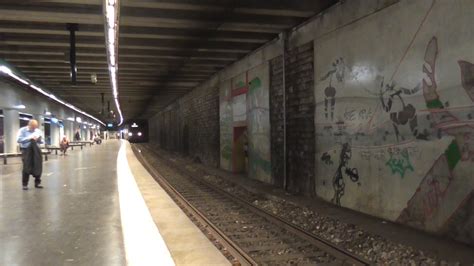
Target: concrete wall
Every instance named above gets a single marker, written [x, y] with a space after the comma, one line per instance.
[389, 100]
[394, 107]
[13, 94]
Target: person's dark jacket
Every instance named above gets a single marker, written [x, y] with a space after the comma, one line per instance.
[32, 160]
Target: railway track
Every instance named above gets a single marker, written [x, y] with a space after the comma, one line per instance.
[246, 234]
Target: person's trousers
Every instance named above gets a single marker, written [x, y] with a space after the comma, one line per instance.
[26, 178]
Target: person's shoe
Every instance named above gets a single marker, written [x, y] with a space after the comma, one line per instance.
[38, 186]
[25, 188]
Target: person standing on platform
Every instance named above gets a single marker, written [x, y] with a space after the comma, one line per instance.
[77, 136]
[29, 137]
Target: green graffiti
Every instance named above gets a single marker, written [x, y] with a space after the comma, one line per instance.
[254, 85]
[453, 155]
[400, 164]
[239, 84]
[434, 104]
[256, 161]
[226, 152]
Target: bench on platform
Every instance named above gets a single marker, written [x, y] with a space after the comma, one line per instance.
[53, 148]
[18, 154]
[9, 155]
[72, 145]
[83, 142]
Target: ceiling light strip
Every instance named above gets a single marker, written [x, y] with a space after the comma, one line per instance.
[111, 14]
[7, 71]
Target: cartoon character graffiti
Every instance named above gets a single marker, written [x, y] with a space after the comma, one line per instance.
[337, 70]
[407, 114]
[338, 182]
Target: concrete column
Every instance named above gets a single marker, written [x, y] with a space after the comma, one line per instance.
[54, 134]
[11, 125]
[69, 129]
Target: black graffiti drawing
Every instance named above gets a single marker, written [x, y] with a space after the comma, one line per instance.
[407, 114]
[338, 182]
[330, 92]
[326, 158]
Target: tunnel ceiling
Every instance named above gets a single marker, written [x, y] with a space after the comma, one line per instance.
[166, 48]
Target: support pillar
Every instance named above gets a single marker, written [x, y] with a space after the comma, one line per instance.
[11, 125]
[54, 134]
[69, 129]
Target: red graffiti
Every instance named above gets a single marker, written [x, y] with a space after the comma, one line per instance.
[433, 196]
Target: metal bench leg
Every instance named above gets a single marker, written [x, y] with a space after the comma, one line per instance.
[4, 159]
[45, 157]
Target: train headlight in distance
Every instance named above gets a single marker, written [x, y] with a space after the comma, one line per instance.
[139, 134]
[130, 134]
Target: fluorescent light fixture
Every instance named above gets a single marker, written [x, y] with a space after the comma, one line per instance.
[70, 119]
[47, 113]
[78, 119]
[134, 124]
[84, 127]
[111, 11]
[6, 70]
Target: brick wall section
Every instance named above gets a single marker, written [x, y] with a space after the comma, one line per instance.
[191, 125]
[300, 119]
[276, 120]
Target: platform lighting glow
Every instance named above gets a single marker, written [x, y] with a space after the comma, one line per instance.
[111, 28]
[6, 70]
[19, 106]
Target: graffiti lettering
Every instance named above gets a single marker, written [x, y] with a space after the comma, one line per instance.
[399, 162]
[352, 114]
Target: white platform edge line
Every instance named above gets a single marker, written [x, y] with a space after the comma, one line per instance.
[143, 242]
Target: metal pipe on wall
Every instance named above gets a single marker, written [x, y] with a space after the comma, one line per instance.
[284, 38]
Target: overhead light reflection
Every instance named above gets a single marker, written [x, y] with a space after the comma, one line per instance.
[111, 19]
[6, 70]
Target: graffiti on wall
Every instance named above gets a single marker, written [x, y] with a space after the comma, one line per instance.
[245, 109]
[343, 169]
[399, 162]
[337, 71]
[407, 113]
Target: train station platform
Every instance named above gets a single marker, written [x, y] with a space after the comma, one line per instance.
[92, 212]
